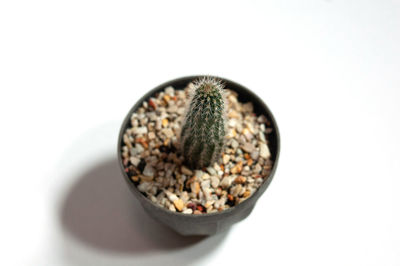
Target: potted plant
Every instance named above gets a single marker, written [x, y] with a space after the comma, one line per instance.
[198, 152]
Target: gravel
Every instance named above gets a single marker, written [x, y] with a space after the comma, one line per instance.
[152, 160]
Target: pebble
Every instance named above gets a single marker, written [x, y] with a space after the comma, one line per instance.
[168, 132]
[151, 135]
[186, 171]
[144, 186]
[171, 196]
[262, 137]
[134, 161]
[146, 178]
[184, 196]
[246, 194]
[164, 122]
[248, 135]
[178, 203]
[237, 168]
[240, 180]
[198, 174]
[205, 176]
[234, 144]
[226, 182]
[225, 158]
[217, 167]
[211, 171]
[264, 151]
[207, 193]
[149, 170]
[214, 181]
[254, 155]
[257, 169]
[170, 91]
[248, 147]
[205, 184]
[233, 114]
[188, 211]
[221, 202]
[236, 190]
[232, 123]
[195, 187]
[140, 131]
[138, 149]
[172, 109]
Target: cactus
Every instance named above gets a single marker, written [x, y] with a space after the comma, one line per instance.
[203, 131]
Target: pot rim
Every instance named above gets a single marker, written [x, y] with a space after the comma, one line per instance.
[188, 79]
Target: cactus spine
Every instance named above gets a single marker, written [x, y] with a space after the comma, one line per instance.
[203, 131]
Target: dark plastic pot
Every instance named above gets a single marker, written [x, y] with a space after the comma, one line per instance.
[204, 224]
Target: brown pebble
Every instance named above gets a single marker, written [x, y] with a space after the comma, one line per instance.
[230, 197]
[240, 180]
[195, 187]
[197, 212]
[167, 98]
[146, 178]
[152, 104]
[178, 204]
[135, 178]
[143, 142]
[246, 194]
[237, 168]
[191, 205]
[164, 122]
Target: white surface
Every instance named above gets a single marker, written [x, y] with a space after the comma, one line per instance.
[329, 71]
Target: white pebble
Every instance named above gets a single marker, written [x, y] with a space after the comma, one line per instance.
[234, 144]
[188, 211]
[225, 158]
[144, 186]
[149, 170]
[140, 130]
[211, 171]
[198, 174]
[214, 181]
[226, 182]
[170, 90]
[264, 151]
[134, 160]
[171, 196]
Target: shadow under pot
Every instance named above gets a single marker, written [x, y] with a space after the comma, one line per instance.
[200, 220]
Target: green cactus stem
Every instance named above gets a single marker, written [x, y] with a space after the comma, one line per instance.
[203, 131]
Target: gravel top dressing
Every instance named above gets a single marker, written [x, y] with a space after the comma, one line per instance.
[153, 162]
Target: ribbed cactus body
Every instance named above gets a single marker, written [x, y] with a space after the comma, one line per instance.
[203, 131]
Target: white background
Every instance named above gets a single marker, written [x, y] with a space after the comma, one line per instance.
[328, 70]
